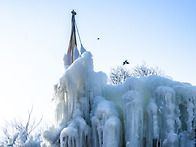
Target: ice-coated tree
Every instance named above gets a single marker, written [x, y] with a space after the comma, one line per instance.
[145, 70]
[120, 73]
[17, 133]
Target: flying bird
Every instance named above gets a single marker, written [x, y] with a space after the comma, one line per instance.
[125, 62]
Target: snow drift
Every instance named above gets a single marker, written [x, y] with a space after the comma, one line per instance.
[148, 111]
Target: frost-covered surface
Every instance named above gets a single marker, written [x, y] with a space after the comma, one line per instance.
[16, 133]
[148, 111]
[68, 57]
[21, 139]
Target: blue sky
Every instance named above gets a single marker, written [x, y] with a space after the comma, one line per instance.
[34, 36]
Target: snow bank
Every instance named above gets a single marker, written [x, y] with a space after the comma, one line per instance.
[148, 111]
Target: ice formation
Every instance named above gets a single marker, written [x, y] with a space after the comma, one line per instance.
[149, 111]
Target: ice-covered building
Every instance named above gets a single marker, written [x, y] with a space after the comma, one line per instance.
[148, 111]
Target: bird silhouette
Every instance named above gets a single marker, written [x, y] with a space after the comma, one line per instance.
[125, 62]
[98, 38]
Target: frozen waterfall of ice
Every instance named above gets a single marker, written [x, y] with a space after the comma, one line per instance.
[148, 111]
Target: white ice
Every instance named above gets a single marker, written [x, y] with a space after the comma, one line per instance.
[147, 111]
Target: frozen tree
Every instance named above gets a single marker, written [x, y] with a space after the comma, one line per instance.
[119, 74]
[17, 133]
[145, 70]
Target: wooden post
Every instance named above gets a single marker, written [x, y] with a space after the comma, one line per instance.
[72, 42]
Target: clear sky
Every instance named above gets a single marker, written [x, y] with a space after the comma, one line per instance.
[34, 36]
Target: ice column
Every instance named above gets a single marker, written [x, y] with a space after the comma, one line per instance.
[133, 118]
[166, 101]
[106, 124]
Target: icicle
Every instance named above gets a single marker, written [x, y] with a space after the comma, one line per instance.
[82, 49]
[166, 102]
[59, 98]
[112, 132]
[69, 136]
[106, 124]
[76, 134]
[84, 103]
[75, 53]
[133, 118]
[152, 127]
[67, 60]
